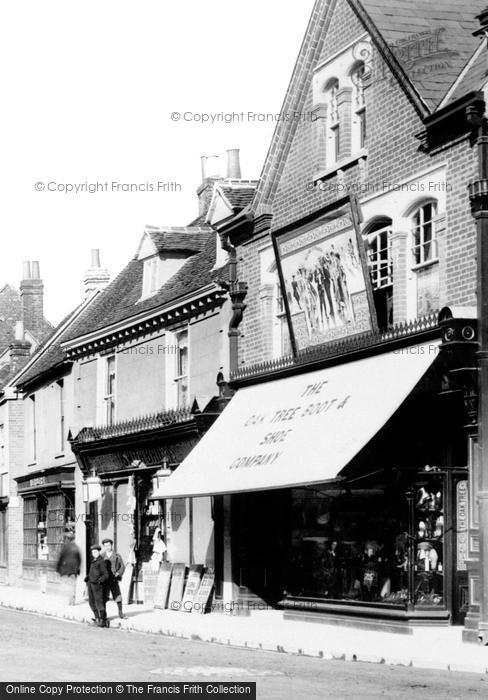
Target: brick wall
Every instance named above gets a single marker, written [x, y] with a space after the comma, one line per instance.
[15, 456]
[393, 157]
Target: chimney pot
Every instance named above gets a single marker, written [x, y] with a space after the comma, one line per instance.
[233, 164]
[95, 258]
[210, 167]
[36, 273]
[95, 278]
[27, 270]
[19, 330]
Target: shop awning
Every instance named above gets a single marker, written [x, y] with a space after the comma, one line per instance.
[299, 430]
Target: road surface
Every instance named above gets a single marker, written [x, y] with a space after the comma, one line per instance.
[35, 648]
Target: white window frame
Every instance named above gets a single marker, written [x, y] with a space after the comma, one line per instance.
[358, 106]
[178, 377]
[332, 148]
[61, 402]
[150, 284]
[380, 278]
[419, 258]
[110, 398]
[33, 426]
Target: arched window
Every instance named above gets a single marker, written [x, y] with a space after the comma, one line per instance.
[333, 123]
[424, 244]
[380, 263]
[358, 79]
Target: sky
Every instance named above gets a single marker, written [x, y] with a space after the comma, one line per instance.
[104, 95]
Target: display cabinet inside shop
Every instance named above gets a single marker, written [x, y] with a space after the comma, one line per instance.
[380, 545]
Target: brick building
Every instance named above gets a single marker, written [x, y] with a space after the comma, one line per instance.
[23, 327]
[119, 395]
[358, 251]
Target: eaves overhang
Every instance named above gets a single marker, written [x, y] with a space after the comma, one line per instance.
[208, 298]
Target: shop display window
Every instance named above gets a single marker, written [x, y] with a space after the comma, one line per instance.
[46, 518]
[429, 539]
[380, 545]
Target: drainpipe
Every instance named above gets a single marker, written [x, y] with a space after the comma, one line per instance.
[478, 195]
[237, 293]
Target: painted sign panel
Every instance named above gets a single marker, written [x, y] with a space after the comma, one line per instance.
[201, 599]
[162, 587]
[462, 524]
[177, 585]
[326, 289]
[191, 588]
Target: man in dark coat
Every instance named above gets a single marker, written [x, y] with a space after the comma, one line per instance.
[68, 564]
[117, 568]
[97, 582]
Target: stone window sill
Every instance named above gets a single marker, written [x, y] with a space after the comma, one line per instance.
[343, 164]
[427, 263]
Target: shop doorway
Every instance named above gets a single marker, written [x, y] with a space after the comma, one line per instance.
[260, 534]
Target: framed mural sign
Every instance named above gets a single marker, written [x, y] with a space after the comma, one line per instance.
[324, 279]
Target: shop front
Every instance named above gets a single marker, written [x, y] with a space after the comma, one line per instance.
[123, 469]
[48, 502]
[346, 488]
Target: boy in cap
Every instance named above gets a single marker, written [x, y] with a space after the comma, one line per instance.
[97, 581]
[117, 568]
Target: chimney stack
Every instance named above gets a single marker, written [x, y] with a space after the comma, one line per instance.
[210, 176]
[32, 299]
[233, 164]
[19, 349]
[96, 278]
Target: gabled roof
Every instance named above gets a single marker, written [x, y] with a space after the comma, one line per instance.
[229, 198]
[394, 26]
[238, 194]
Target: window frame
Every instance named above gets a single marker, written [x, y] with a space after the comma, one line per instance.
[150, 283]
[376, 262]
[109, 395]
[179, 376]
[61, 438]
[417, 232]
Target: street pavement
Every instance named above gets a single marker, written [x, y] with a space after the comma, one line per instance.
[38, 648]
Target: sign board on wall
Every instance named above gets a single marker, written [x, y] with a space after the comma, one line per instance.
[324, 278]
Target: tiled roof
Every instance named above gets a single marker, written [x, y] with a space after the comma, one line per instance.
[432, 41]
[120, 300]
[474, 77]
[46, 359]
[188, 239]
[239, 196]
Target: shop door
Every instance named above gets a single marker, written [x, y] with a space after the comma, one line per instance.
[259, 533]
[460, 549]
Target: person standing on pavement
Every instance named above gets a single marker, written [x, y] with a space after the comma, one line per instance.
[117, 568]
[97, 582]
[69, 562]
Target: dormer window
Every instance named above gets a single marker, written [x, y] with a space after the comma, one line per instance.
[150, 282]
